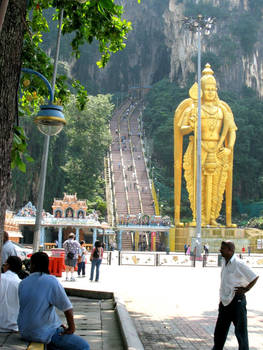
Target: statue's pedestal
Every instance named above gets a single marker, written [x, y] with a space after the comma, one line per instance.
[213, 236]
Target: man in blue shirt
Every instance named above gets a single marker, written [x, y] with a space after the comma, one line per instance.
[38, 321]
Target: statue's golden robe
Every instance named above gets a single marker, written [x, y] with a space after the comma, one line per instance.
[218, 132]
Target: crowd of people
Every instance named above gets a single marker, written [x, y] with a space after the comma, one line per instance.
[75, 254]
[28, 301]
[146, 220]
[28, 304]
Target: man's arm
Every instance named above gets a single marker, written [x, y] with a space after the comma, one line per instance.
[243, 290]
[70, 321]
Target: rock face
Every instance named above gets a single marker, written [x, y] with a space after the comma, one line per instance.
[146, 58]
[243, 69]
[159, 47]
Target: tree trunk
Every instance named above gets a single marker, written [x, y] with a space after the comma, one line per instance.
[11, 42]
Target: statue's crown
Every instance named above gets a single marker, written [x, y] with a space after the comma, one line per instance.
[207, 76]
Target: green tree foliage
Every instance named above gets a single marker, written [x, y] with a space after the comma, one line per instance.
[88, 139]
[89, 20]
[99, 20]
[76, 155]
[84, 22]
[162, 101]
[99, 205]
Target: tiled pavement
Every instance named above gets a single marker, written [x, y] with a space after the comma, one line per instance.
[176, 307]
[172, 308]
[95, 321]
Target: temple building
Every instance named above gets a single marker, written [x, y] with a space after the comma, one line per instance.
[69, 207]
[11, 227]
[69, 215]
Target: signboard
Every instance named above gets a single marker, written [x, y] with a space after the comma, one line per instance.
[109, 232]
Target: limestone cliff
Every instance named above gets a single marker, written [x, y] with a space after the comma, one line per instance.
[160, 47]
[245, 67]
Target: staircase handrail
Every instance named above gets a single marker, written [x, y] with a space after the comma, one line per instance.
[133, 161]
[150, 181]
[107, 191]
[123, 171]
[156, 204]
[113, 187]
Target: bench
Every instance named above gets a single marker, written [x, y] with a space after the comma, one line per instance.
[36, 346]
[49, 246]
[13, 340]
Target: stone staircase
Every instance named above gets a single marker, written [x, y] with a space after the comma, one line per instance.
[126, 175]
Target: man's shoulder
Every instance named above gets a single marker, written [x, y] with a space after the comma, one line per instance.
[10, 277]
[8, 244]
[33, 277]
[241, 265]
[239, 261]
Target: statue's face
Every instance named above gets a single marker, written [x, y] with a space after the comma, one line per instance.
[209, 92]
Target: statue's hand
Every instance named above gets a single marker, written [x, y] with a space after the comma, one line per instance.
[192, 121]
[224, 152]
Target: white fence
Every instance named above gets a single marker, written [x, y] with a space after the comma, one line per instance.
[172, 259]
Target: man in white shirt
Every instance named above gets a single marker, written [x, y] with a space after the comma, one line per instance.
[236, 279]
[9, 294]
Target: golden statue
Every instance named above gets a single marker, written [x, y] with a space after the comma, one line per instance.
[218, 131]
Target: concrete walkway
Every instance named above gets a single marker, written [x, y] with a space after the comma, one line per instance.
[171, 308]
[175, 307]
[96, 321]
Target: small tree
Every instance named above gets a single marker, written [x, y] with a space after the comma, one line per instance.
[24, 20]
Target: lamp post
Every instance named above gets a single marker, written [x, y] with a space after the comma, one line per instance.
[45, 129]
[199, 25]
[50, 121]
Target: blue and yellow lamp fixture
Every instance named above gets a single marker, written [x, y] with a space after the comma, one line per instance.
[50, 119]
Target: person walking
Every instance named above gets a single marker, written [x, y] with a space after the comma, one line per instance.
[9, 294]
[185, 248]
[248, 250]
[71, 255]
[96, 259]
[206, 249]
[81, 259]
[39, 296]
[236, 279]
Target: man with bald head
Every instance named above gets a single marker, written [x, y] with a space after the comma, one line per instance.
[236, 280]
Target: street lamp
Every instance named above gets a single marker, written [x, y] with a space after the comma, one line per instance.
[48, 128]
[50, 119]
[199, 25]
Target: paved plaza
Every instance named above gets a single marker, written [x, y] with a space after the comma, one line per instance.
[175, 307]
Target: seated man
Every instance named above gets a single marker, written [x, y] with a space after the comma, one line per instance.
[9, 294]
[38, 321]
